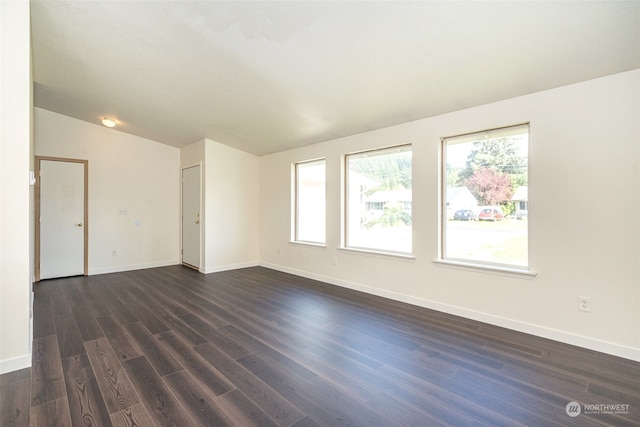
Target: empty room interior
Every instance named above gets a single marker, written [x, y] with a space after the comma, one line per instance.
[319, 213]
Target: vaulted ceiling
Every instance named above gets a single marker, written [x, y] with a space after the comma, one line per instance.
[267, 76]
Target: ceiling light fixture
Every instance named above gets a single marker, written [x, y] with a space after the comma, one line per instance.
[108, 122]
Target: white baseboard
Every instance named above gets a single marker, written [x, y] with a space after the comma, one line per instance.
[516, 325]
[120, 268]
[17, 363]
[219, 268]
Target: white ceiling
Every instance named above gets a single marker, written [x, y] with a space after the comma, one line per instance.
[268, 76]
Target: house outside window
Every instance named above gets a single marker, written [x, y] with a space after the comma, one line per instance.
[375, 206]
[310, 202]
[521, 202]
[485, 197]
[378, 197]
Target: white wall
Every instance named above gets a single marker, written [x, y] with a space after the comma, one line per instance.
[232, 207]
[15, 146]
[231, 204]
[584, 201]
[125, 172]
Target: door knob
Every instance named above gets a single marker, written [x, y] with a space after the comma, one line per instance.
[79, 224]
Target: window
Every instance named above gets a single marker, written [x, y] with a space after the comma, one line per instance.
[310, 202]
[485, 197]
[378, 200]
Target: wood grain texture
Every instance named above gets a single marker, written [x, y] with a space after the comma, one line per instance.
[68, 335]
[109, 299]
[161, 359]
[86, 406]
[125, 347]
[47, 382]
[140, 304]
[117, 336]
[185, 331]
[257, 347]
[59, 303]
[117, 391]
[87, 323]
[51, 414]
[196, 400]
[136, 416]
[208, 376]
[43, 325]
[14, 398]
[243, 411]
[156, 396]
[282, 411]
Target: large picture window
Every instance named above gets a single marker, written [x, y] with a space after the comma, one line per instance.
[485, 197]
[378, 200]
[310, 202]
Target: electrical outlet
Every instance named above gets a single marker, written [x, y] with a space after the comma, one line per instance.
[584, 304]
[278, 251]
[113, 253]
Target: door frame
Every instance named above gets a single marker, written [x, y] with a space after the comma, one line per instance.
[38, 159]
[182, 168]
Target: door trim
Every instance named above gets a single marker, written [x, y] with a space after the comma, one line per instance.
[38, 159]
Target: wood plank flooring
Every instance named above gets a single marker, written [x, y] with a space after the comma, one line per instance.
[257, 347]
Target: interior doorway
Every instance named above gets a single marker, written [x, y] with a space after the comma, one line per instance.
[191, 210]
[61, 218]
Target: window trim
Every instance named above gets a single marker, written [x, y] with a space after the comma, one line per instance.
[345, 200]
[470, 264]
[487, 268]
[296, 199]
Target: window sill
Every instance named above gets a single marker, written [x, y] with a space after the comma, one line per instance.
[309, 244]
[380, 254]
[488, 269]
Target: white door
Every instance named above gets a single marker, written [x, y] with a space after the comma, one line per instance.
[62, 217]
[191, 216]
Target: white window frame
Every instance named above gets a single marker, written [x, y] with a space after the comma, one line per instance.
[296, 197]
[346, 245]
[469, 262]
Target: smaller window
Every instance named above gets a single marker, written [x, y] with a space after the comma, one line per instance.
[310, 202]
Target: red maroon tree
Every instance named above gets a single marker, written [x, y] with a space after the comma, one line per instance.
[489, 187]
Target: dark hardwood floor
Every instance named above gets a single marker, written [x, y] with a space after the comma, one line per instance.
[172, 347]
